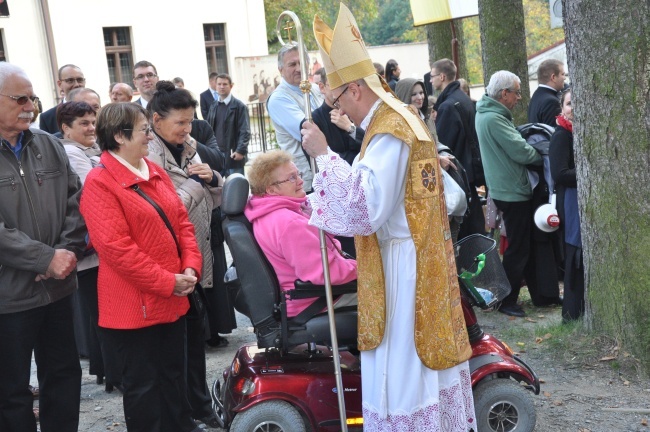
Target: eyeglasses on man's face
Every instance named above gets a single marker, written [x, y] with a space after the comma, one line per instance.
[146, 130]
[149, 75]
[336, 101]
[73, 80]
[293, 179]
[518, 92]
[22, 100]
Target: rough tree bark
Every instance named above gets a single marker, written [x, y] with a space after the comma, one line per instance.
[608, 49]
[503, 41]
[439, 41]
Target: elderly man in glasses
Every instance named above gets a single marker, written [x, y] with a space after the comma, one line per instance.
[42, 236]
[70, 78]
[505, 155]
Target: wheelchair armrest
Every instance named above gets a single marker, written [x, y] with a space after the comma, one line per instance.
[307, 289]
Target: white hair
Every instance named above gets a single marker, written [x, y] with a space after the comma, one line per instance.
[7, 70]
[501, 80]
[291, 46]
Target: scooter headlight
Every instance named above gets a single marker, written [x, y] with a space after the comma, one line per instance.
[245, 386]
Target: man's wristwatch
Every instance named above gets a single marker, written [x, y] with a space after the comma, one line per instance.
[352, 129]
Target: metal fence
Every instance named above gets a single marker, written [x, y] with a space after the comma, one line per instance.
[262, 132]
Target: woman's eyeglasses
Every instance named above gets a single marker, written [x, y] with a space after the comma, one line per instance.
[294, 178]
[146, 130]
[22, 100]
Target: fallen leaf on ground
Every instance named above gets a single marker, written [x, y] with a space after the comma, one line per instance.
[608, 358]
[558, 403]
[542, 380]
[521, 344]
[531, 320]
[539, 340]
[548, 336]
[583, 430]
[547, 394]
[541, 316]
[644, 422]
[511, 318]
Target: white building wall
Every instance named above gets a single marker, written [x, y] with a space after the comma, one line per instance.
[169, 35]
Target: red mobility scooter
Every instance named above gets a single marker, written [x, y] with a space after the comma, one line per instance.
[286, 383]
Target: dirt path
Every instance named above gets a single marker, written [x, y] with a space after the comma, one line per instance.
[577, 388]
[580, 381]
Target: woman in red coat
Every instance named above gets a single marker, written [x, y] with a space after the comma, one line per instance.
[145, 276]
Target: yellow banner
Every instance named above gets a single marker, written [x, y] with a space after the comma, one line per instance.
[432, 11]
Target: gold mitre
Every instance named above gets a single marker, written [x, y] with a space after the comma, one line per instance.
[346, 59]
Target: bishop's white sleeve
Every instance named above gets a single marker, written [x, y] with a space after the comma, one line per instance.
[358, 200]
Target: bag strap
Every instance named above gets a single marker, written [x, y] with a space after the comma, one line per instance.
[146, 197]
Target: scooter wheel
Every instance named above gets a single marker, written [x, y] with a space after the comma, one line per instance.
[503, 405]
[270, 416]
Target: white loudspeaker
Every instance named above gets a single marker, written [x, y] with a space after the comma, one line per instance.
[556, 13]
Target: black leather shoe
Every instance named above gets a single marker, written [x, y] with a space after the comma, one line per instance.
[217, 342]
[211, 421]
[512, 310]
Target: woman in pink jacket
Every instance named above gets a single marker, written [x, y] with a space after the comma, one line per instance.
[279, 212]
[146, 273]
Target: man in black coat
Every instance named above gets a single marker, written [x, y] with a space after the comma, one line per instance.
[455, 128]
[210, 95]
[70, 78]
[342, 135]
[228, 117]
[545, 104]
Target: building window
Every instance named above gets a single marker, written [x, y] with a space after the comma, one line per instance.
[215, 47]
[2, 46]
[119, 54]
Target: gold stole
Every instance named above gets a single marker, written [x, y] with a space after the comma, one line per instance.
[440, 332]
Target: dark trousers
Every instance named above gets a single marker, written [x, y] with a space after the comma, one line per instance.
[518, 219]
[88, 296]
[47, 330]
[573, 306]
[197, 387]
[474, 222]
[153, 377]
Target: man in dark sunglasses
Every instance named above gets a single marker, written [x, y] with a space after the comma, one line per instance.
[70, 78]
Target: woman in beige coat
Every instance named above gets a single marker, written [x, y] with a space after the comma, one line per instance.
[199, 187]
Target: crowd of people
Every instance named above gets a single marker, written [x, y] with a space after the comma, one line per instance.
[113, 248]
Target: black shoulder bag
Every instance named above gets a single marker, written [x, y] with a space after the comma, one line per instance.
[197, 297]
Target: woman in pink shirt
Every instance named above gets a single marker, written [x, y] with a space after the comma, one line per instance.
[279, 212]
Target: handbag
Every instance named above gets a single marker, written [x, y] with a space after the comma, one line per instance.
[455, 197]
[197, 298]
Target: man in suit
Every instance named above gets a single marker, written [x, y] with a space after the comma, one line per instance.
[209, 96]
[228, 117]
[145, 77]
[545, 104]
[70, 77]
[455, 128]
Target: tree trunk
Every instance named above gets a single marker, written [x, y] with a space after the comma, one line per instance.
[439, 37]
[608, 51]
[503, 40]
